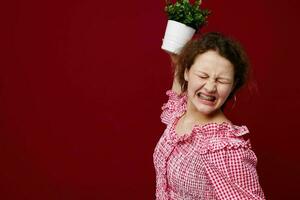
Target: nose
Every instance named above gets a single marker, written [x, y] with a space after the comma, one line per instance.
[210, 86]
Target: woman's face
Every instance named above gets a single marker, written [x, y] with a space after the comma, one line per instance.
[210, 81]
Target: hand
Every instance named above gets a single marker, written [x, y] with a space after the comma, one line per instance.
[174, 58]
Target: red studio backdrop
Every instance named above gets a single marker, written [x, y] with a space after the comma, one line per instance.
[83, 82]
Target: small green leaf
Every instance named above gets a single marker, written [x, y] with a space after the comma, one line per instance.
[183, 11]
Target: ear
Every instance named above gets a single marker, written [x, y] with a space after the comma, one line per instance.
[186, 77]
[234, 84]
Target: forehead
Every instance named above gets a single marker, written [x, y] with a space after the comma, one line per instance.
[212, 61]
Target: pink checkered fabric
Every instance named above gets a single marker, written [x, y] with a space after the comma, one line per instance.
[212, 162]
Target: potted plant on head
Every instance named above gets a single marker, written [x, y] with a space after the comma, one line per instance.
[184, 20]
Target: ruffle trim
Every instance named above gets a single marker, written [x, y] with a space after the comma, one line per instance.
[212, 145]
[224, 129]
[174, 100]
[212, 137]
[175, 106]
[174, 95]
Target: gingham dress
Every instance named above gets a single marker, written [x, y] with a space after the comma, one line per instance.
[211, 162]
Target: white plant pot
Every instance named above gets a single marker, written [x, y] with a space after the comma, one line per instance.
[176, 36]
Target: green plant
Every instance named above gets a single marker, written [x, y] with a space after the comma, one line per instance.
[187, 13]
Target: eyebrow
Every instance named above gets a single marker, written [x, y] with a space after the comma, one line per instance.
[225, 78]
[201, 72]
[220, 77]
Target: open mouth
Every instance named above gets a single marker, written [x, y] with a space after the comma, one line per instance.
[205, 97]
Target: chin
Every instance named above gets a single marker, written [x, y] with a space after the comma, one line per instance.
[206, 110]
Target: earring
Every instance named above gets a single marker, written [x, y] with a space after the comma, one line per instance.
[184, 86]
[234, 102]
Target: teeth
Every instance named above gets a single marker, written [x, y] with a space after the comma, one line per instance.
[205, 97]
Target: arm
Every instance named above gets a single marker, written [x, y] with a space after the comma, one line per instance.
[175, 101]
[233, 174]
[175, 86]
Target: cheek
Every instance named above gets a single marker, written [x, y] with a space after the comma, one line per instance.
[195, 84]
[224, 90]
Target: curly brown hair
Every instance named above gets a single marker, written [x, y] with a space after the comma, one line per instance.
[225, 46]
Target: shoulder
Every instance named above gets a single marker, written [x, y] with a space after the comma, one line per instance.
[214, 137]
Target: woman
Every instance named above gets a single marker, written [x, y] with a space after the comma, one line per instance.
[201, 154]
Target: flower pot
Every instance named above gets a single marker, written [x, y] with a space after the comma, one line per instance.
[176, 36]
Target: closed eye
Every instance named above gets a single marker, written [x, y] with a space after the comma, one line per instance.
[224, 81]
[202, 76]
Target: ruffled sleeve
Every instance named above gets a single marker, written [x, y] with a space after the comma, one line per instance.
[230, 165]
[175, 105]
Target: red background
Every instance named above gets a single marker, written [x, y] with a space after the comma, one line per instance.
[82, 83]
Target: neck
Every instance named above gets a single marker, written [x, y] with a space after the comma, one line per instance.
[192, 114]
